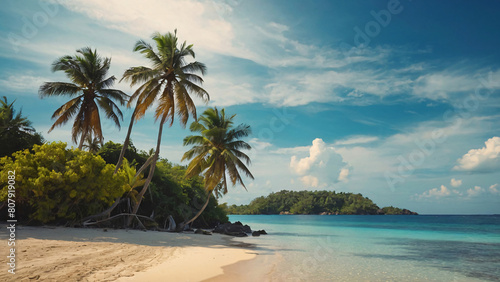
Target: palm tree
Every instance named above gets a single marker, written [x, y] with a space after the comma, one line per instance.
[216, 153]
[16, 131]
[170, 81]
[92, 144]
[87, 72]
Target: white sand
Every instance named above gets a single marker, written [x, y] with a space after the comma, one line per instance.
[76, 254]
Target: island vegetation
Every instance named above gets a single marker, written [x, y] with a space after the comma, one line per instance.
[315, 202]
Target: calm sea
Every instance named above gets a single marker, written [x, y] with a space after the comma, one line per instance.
[380, 248]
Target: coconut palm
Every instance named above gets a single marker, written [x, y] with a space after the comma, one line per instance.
[92, 144]
[91, 86]
[216, 153]
[170, 80]
[16, 131]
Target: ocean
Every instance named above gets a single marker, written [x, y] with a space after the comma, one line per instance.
[379, 248]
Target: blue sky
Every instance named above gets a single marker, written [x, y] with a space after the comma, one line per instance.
[397, 100]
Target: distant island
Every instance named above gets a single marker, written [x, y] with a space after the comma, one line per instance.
[315, 202]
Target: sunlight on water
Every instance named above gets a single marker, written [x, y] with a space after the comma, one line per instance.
[381, 248]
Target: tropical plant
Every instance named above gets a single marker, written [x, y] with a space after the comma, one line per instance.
[216, 152]
[92, 144]
[170, 81]
[135, 180]
[87, 72]
[58, 184]
[16, 131]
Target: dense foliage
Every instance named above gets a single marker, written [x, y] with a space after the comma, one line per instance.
[59, 185]
[16, 132]
[170, 192]
[312, 202]
[55, 184]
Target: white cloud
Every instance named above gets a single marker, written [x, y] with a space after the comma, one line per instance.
[474, 191]
[455, 182]
[316, 155]
[437, 192]
[310, 181]
[344, 174]
[485, 159]
[23, 83]
[197, 19]
[356, 140]
[493, 189]
[259, 145]
[440, 85]
[333, 86]
[321, 168]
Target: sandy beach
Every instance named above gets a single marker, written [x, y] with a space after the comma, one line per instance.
[76, 254]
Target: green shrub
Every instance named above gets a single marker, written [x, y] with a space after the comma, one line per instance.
[55, 184]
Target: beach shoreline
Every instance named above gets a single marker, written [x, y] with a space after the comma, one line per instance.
[91, 254]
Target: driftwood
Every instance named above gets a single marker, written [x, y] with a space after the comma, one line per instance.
[87, 223]
[107, 212]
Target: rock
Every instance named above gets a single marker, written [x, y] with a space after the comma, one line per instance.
[256, 233]
[285, 212]
[262, 232]
[233, 229]
[221, 228]
[247, 229]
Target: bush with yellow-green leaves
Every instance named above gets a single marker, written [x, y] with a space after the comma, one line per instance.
[56, 184]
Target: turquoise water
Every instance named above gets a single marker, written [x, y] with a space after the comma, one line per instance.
[380, 248]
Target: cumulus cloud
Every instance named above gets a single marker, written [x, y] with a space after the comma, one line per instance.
[315, 157]
[322, 167]
[486, 159]
[493, 189]
[456, 182]
[344, 174]
[310, 181]
[475, 191]
[435, 192]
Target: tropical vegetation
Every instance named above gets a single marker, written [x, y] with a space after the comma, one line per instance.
[56, 184]
[313, 202]
[217, 152]
[91, 86]
[16, 131]
[170, 80]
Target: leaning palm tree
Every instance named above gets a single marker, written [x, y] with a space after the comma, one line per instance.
[169, 81]
[90, 84]
[216, 153]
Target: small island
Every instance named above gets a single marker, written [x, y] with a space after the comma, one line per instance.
[315, 202]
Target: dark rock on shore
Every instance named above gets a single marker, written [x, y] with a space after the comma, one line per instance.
[256, 233]
[233, 229]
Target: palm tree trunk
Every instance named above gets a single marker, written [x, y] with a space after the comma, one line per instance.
[151, 172]
[202, 209]
[127, 140]
[224, 183]
[82, 139]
